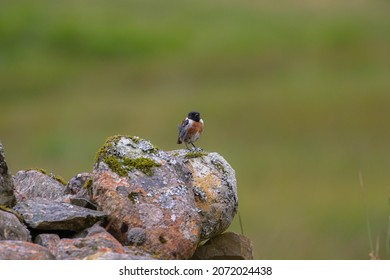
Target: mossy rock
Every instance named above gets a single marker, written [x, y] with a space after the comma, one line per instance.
[195, 154]
[58, 178]
[115, 153]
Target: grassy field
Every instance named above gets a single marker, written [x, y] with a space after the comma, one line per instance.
[294, 94]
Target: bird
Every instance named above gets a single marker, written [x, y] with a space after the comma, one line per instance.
[190, 129]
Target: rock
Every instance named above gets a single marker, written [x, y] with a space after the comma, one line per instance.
[148, 196]
[79, 188]
[136, 236]
[226, 246]
[48, 240]
[215, 189]
[94, 241]
[44, 214]
[7, 197]
[22, 250]
[82, 202]
[77, 183]
[11, 228]
[36, 183]
[154, 205]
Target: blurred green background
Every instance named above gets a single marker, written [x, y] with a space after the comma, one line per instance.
[294, 94]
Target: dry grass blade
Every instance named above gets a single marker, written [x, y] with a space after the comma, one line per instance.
[372, 252]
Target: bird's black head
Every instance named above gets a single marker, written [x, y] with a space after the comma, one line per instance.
[195, 116]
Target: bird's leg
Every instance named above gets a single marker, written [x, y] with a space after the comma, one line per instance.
[196, 148]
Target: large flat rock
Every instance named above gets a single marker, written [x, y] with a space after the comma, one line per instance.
[44, 214]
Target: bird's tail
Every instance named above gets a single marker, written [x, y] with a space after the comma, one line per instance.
[179, 141]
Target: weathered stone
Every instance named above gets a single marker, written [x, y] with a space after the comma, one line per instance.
[79, 191]
[215, 189]
[141, 187]
[21, 250]
[34, 183]
[7, 197]
[136, 236]
[82, 202]
[11, 228]
[226, 246]
[48, 240]
[93, 241]
[44, 214]
[77, 183]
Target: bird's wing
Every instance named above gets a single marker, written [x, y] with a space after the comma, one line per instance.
[183, 129]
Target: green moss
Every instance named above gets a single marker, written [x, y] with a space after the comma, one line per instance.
[219, 165]
[43, 171]
[135, 139]
[60, 179]
[122, 166]
[104, 150]
[55, 177]
[115, 165]
[195, 154]
[143, 164]
[88, 184]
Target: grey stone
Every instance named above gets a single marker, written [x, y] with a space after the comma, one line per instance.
[77, 183]
[44, 214]
[11, 228]
[48, 240]
[136, 236]
[36, 184]
[7, 196]
[215, 189]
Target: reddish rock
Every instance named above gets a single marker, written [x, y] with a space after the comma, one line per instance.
[93, 241]
[148, 196]
[21, 250]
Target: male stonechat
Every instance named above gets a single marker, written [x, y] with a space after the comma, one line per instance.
[190, 129]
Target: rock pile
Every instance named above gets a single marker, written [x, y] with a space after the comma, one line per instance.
[139, 202]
